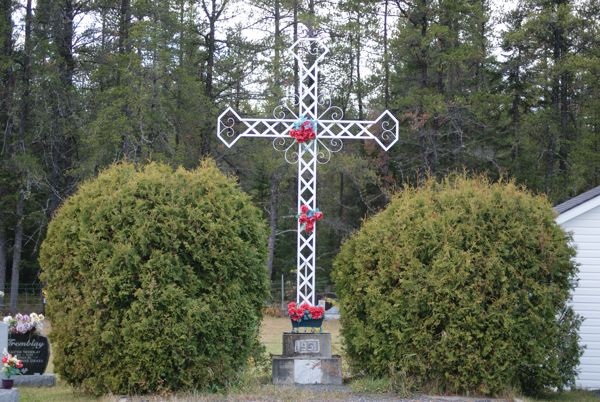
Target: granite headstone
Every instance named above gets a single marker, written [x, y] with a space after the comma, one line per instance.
[3, 336]
[32, 349]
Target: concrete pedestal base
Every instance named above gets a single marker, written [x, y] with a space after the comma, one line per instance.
[35, 380]
[307, 359]
[9, 395]
[291, 370]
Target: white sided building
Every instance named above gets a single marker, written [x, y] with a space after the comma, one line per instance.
[581, 217]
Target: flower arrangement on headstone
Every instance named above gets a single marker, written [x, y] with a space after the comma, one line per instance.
[11, 365]
[25, 339]
[25, 323]
[306, 316]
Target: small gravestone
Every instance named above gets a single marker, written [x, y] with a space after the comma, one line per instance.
[9, 395]
[3, 336]
[332, 314]
[33, 350]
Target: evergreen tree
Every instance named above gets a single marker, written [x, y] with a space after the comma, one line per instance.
[541, 77]
[440, 71]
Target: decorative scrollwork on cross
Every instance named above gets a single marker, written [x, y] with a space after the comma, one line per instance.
[286, 145]
[285, 109]
[330, 112]
[330, 131]
[326, 148]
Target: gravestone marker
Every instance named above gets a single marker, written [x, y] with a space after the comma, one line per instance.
[3, 336]
[33, 350]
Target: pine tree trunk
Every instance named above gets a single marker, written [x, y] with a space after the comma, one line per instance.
[7, 76]
[385, 167]
[23, 126]
[273, 215]
[341, 199]
[65, 46]
[210, 62]
[26, 78]
[124, 47]
[6, 97]
[179, 101]
[277, 50]
[63, 147]
[2, 260]
[17, 251]
[359, 91]
[124, 25]
[553, 138]
[213, 14]
[310, 24]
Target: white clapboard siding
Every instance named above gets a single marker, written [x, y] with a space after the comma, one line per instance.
[589, 253]
[585, 229]
[587, 299]
[590, 266]
[587, 224]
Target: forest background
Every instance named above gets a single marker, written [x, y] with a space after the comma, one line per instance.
[511, 92]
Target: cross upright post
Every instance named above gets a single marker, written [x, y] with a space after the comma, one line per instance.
[330, 130]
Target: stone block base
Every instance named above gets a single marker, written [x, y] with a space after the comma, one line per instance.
[35, 380]
[319, 370]
[307, 345]
[9, 395]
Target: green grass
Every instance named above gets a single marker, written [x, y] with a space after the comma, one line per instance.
[367, 385]
[60, 393]
[255, 384]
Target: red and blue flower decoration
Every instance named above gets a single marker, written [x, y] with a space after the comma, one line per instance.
[305, 312]
[308, 217]
[304, 130]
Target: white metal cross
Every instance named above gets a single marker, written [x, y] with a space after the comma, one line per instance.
[330, 131]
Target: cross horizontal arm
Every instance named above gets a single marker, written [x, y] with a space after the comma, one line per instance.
[384, 130]
[232, 127]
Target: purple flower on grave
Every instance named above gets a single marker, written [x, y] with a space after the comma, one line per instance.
[24, 323]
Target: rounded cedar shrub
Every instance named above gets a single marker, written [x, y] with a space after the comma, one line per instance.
[155, 280]
[461, 287]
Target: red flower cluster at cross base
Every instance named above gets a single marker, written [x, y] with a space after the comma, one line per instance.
[305, 312]
[308, 217]
[304, 130]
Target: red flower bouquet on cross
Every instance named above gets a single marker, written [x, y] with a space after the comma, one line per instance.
[308, 217]
[304, 130]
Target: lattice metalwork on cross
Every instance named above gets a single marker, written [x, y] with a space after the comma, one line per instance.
[331, 130]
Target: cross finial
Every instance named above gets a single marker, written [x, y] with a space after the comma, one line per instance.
[311, 46]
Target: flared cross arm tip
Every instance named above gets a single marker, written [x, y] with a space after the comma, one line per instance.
[389, 130]
[231, 127]
[226, 123]
[384, 130]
